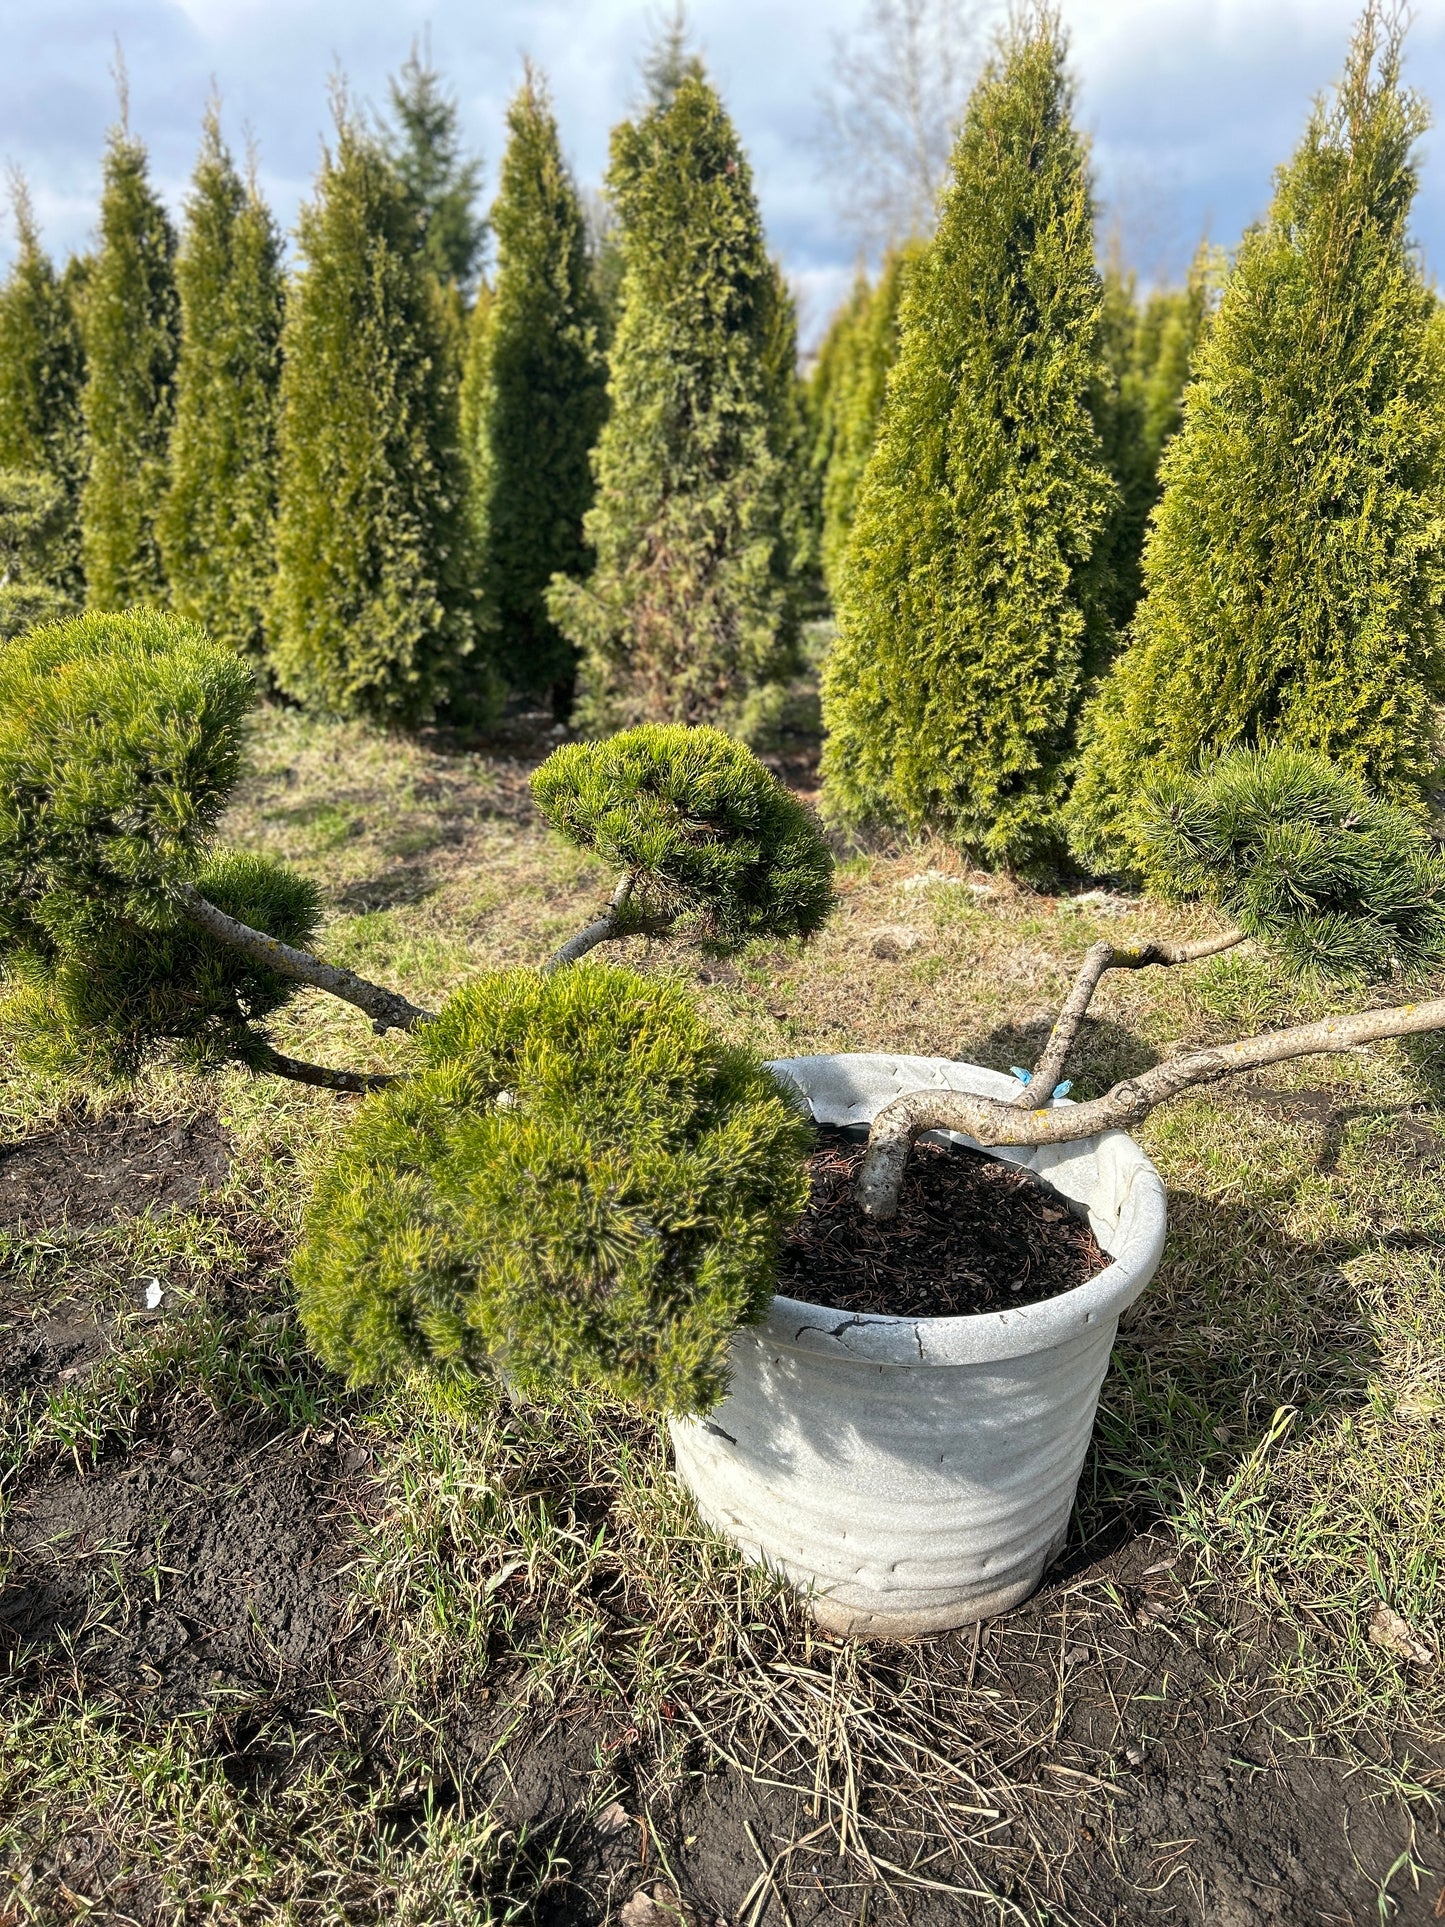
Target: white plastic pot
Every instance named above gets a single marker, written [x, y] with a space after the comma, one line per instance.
[913, 1474]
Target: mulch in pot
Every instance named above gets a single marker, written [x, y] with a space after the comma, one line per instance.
[972, 1234]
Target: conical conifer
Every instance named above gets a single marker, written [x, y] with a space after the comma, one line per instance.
[374, 607]
[970, 592]
[536, 394]
[132, 335]
[1295, 570]
[692, 609]
[862, 379]
[217, 523]
[441, 182]
[42, 374]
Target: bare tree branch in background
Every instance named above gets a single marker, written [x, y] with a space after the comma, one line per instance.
[899, 86]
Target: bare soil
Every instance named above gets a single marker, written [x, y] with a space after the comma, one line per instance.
[95, 1171]
[973, 1234]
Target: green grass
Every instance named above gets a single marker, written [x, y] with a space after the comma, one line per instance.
[1275, 1404]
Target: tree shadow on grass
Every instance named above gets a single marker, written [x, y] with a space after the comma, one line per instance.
[1104, 1053]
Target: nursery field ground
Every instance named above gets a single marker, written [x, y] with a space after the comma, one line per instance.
[278, 1652]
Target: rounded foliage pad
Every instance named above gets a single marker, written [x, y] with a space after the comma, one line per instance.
[719, 848]
[1304, 858]
[585, 1186]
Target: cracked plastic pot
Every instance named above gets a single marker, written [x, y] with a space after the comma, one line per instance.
[912, 1474]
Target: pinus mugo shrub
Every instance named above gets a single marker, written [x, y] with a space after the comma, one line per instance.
[42, 374]
[120, 741]
[970, 604]
[692, 608]
[132, 336]
[1295, 569]
[374, 611]
[537, 395]
[217, 525]
[37, 528]
[583, 1187]
[710, 844]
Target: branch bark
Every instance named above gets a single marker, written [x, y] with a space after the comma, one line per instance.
[387, 1009]
[992, 1122]
[320, 1075]
[601, 930]
[1103, 956]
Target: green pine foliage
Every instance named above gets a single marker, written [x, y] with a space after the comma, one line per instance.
[1295, 569]
[374, 610]
[132, 336]
[37, 529]
[120, 741]
[971, 601]
[1298, 852]
[440, 181]
[867, 354]
[217, 522]
[719, 849]
[42, 375]
[536, 397]
[691, 612]
[584, 1187]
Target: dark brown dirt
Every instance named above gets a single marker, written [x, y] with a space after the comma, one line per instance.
[203, 1563]
[96, 1171]
[972, 1234]
[42, 1351]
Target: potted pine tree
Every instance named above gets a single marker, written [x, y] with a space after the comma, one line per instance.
[576, 1182]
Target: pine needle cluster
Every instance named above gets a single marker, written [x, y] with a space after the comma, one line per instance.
[120, 741]
[583, 1187]
[1338, 883]
[718, 848]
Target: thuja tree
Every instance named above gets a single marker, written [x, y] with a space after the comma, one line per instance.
[374, 608]
[42, 374]
[1295, 570]
[132, 337]
[857, 407]
[536, 397]
[691, 607]
[217, 524]
[37, 530]
[971, 605]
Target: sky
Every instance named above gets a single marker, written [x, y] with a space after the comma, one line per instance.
[1190, 104]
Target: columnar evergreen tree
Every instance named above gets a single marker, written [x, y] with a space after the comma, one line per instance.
[822, 397]
[441, 182]
[374, 605]
[692, 607]
[132, 335]
[1148, 351]
[42, 373]
[217, 525]
[536, 394]
[1295, 571]
[971, 600]
[858, 408]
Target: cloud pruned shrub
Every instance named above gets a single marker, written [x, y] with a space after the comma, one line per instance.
[584, 1186]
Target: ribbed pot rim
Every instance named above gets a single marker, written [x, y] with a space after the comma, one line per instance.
[1135, 1239]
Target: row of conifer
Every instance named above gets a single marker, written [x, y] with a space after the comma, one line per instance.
[607, 471]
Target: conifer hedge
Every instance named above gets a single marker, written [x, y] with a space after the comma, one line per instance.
[971, 599]
[42, 374]
[692, 606]
[132, 336]
[536, 397]
[869, 351]
[217, 525]
[1295, 571]
[374, 612]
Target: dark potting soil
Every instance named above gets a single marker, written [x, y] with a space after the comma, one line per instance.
[95, 1171]
[972, 1234]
